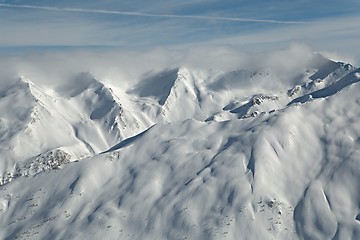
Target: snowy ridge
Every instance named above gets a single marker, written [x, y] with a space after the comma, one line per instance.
[83, 121]
[184, 154]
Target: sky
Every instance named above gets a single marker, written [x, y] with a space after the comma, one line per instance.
[330, 26]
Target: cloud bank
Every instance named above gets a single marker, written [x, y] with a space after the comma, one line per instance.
[127, 67]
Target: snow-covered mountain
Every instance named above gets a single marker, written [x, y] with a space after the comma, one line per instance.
[183, 153]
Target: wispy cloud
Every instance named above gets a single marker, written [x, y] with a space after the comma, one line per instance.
[129, 66]
[141, 14]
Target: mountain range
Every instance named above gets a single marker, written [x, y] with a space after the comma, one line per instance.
[183, 153]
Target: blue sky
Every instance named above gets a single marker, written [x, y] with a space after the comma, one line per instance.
[255, 25]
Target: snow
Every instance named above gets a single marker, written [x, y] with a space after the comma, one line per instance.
[184, 153]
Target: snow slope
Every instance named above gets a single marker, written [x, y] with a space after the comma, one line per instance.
[184, 154]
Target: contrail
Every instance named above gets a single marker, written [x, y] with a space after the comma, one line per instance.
[141, 14]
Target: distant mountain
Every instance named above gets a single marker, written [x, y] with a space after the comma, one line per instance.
[183, 153]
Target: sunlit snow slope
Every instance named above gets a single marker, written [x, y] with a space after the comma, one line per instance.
[184, 154]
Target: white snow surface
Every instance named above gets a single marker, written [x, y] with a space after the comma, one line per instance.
[184, 153]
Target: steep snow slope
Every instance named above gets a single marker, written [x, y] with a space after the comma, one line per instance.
[230, 155]
[80, 120]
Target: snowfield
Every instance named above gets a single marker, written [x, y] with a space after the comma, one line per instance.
[184, 153]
